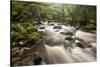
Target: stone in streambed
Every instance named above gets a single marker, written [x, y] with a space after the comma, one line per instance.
[42, 27]
[69, 38]
[57, 27]
[51, 24]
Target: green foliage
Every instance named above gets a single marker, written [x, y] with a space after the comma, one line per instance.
[27, 11]
[25, 32]
[77, 15]
[69, 38]
[37, 59]
[69, 33]
[89, 27]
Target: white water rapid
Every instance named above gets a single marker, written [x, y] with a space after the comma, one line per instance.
[58, 49]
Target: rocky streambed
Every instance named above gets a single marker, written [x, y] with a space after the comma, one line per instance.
[60, 44]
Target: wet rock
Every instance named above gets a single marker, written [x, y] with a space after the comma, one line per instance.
[68, 38]
[21, 43]
[57, 27]
[51, 24]
[79, 45]
[64, 32]
[82, 44]
[69, 33]
[42, 27]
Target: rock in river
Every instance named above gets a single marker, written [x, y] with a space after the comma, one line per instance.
[57, 27]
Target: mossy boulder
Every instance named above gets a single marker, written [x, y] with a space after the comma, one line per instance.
[68, 33]
[37, 59]
[57, 27]
[42, 27]
[69, 38]
[89, 27]
[25, 32]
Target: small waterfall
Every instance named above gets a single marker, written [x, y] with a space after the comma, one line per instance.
[58, 54]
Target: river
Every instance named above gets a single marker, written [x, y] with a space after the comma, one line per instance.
[60, 47]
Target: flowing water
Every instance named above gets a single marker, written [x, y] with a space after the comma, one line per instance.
[62, 44]
[60, 50]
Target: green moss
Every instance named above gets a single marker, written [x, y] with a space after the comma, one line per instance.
[69, 38]
[25, 32]
[36, 59]
[69, 33]
[89, 27]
